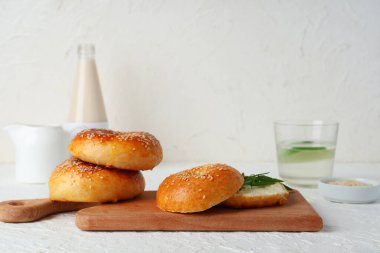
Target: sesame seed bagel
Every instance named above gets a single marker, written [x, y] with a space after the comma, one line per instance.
[254, 196]
[198, 189]
[78, 181]
[121, 150]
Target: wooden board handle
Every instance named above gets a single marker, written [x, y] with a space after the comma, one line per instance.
[35, 209]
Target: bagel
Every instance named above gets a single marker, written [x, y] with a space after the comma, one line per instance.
[78, 181]
[121, 150]
[254, 196]
[198, 189]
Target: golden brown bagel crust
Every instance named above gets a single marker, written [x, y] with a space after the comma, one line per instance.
[121, 150]
[198, 189]
[245, 201]
[78, 181]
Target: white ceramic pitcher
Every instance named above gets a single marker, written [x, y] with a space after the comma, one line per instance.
[38, 150]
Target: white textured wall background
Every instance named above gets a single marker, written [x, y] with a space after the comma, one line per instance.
[206, 77]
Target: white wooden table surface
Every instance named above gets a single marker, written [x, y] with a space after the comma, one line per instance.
[347, 227]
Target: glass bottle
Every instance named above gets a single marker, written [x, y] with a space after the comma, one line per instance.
[87, 107]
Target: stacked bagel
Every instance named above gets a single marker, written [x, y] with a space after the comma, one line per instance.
[106, 166]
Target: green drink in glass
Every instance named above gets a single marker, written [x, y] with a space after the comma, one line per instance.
[305, 151]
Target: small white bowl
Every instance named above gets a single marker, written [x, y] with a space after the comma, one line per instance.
[349, 194]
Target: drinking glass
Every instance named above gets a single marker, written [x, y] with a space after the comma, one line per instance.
[305, 150]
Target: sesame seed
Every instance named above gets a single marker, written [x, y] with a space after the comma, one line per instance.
[103, 135]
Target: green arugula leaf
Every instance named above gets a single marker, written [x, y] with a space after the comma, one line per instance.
[260, 180]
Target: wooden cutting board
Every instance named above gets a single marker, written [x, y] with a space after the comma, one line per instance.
[141, 214]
